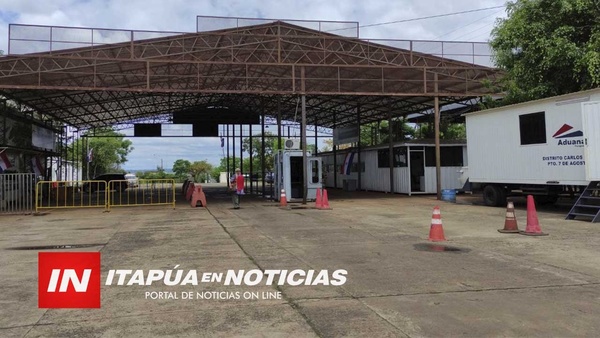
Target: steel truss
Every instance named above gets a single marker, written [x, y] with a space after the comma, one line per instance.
[252, 70]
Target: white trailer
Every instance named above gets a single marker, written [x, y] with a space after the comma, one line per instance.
[413, 167]
[543, 147]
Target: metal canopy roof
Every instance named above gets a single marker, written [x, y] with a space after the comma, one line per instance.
[252, 70]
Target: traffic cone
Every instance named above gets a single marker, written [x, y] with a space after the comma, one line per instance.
[318, 201]
[283, 199]
[510, 222]
[436, 232]
[325, 201]
[533, 225]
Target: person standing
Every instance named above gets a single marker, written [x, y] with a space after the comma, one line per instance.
[236, 184]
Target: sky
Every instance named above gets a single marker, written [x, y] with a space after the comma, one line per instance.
[180, 16]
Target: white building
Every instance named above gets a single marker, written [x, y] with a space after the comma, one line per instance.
[413, 170]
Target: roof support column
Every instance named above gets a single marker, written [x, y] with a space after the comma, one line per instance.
[262, 150]
[438, 169]
[74, 173]
[391, 151]
[316, 138]
[241, 149]
[228, 168]
[250, 156]
[88, 162]
[279, 123]
[359, 147]
[335, 168]
[303, 131]
[234, 165]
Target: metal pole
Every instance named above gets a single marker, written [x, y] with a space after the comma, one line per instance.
[335, 168]
[77, 154]
[316, 139]
[279, 132]
[241, 150]
[87, 160]
[438, 167]
[359, 146]
[250, 154]
[391, 150]
[228, 168]
[303, 131]
[233, 146]
[262, 151]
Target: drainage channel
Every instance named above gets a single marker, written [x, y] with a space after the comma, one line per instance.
[55, 247]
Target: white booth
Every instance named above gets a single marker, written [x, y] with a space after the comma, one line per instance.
[290, 176]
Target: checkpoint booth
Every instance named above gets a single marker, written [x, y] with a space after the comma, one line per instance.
[290, 176]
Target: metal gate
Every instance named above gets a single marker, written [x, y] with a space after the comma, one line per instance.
[102, 194]
[17, 193]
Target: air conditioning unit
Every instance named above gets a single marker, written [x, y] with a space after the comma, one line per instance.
[292, 144]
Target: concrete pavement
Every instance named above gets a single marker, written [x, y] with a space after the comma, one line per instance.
[495, 285]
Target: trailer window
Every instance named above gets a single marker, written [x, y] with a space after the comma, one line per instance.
[383, 157]
[532, 128]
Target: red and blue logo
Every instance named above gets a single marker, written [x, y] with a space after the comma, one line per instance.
[566, 132]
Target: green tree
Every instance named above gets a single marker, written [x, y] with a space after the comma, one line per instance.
[234, 162]
[548, 47]
[222, 167]
[378, 132]
[271, 147]
[181, 168]
[200, 170]
[328, 145]
[216, 174]
[448, 131]
[109, 150]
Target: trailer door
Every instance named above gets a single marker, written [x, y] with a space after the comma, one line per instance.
[591, 132]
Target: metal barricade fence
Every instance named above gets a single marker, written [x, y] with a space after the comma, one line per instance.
[143, 192]
[17, 193]
[70, 194]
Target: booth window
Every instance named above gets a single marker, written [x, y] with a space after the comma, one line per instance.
[383, 158]
[314, 165]
[400, 158]
[354, 167]
[532, 128]
[449, 156]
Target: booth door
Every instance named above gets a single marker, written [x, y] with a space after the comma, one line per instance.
[417, 170]
[296, 177]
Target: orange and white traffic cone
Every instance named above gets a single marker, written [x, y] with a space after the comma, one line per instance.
[436, 232]
[325, 201]
[510, 222]
[318, 200]
[282, 199]
[533, 225]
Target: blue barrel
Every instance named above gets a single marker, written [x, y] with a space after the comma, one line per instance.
[449, 195]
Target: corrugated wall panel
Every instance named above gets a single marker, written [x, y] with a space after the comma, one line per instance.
[369, 177]
[401, 180]
[450, 179]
